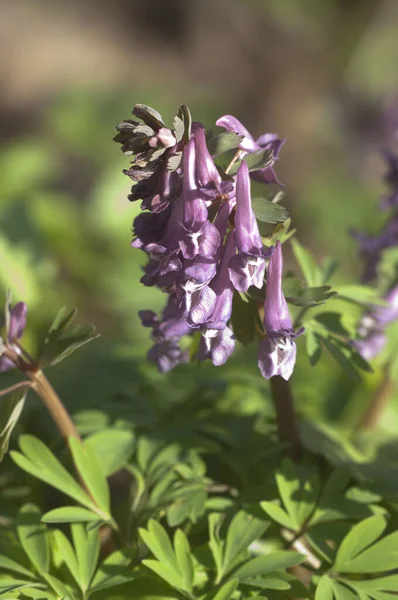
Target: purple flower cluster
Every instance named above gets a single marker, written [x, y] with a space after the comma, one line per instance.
[372, 327]
[371, 247]
[202, 240]
[15, 325]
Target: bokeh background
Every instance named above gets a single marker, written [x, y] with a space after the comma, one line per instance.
[323, 74]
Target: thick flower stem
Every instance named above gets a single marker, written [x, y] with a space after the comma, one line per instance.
[372, 416]
[44, 389]
[52, 402]
[285, 416]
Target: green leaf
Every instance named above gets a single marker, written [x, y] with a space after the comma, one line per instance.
[215, 544]
[311, 296]
[336, 351]
[263, 565]
[277, 514]
[223, 142]
[40, 462]
[159, 543]
[243, 530]
[389, 583]
[360, 537]
[146, 450]
[172, 577]
[190, 506]
[11, 585]
[185, 116]
[11, 407]
[8, 564]
[342, 593]
[267, 583]
[66, 552]
[33, 537]
[360, 294]
[112, 447]
[69, 514]
[114, 570]
[307, 264]
[382, 556]
[62, 339]
[87, 547]
[269, 212]
[313, 347]
[184, 561]
[244, 317]
[288, 484]
[59, 588]
[149, 115]
[324, 589]
[227, 590]
[87, 464]
[255, 160]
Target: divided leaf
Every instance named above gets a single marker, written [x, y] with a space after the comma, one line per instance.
[32, 534]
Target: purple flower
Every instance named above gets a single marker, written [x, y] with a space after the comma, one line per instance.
[217, 345]
[209, 180]
[248, 266]
[149, 228]
[201, 270]
[218, 341]
[277, 351]
[157, 191]
[391, 178]
[373, 324]
[199, 235]
[15, 324]
[372, 246]
[166, 334]
[212, 305]
[167, 355]
[267, 141]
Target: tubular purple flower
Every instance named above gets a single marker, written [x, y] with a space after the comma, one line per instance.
[248, 266]
[166, 333]
[209, 179]
[217, 345]
[267, 141]
[218, 341]
[223, 288]
[199, 235]
[16, 323]
[277, 351]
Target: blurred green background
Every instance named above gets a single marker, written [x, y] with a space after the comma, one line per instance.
[323, 74]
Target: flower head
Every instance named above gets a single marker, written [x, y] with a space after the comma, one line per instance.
[277, 351]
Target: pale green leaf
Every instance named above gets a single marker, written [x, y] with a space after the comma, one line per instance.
[165, 572]
[277, 514]
[33, 537]
[91, 473]
[69, 514]
[112, 447]
[243, 530]
[184, 560]
[361, 536]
